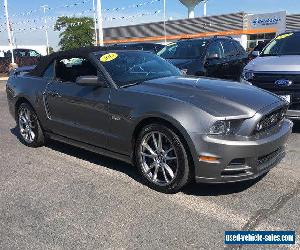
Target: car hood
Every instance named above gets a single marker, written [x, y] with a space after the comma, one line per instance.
[214, 96]
[275, 63]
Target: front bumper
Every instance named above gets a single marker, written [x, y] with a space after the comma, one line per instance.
[241, 158]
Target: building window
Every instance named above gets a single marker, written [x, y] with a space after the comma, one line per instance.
[255, 39]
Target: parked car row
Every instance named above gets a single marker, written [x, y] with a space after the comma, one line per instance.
[23, 57]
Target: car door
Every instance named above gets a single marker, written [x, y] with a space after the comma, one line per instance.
[74, 111]
[242, 59]
[231, 66]
[213, 64]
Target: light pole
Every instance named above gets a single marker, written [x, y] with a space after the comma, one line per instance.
[9, 33]
[95, 23]
[46, 28]
[100, 24]
[204, 7]
[165, 30]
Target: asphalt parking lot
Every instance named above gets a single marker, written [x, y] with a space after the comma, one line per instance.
[62, 197]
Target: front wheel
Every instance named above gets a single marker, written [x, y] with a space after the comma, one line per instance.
[30, 131]
[161, 159]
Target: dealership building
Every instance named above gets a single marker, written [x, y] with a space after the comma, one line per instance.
[248, 29]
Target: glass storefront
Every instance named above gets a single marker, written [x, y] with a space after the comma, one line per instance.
[255, 39]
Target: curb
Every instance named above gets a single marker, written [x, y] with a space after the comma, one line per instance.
[3, 78]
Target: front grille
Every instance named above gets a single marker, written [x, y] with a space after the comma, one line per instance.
[270, 78]
[271, 120]
[266, 158]
[269, 160]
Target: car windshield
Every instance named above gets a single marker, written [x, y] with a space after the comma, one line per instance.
[286, 44]
[132, 67]
[184, 50]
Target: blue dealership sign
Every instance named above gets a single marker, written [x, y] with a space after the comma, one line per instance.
[275, 20]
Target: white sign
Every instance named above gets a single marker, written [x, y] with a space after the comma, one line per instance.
[275, 20]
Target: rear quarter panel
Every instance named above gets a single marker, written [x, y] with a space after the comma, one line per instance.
[29, 88]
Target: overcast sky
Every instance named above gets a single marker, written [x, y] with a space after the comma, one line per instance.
[175, 10]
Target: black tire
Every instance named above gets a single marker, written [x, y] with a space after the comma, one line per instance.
[39, 138]
[181, 177]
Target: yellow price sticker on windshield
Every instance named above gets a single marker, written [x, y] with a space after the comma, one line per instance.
[284, 36]
[108, 57]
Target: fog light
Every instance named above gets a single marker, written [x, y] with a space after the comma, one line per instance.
[210, 159]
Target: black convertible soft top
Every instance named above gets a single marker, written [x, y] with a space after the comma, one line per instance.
[46, 60]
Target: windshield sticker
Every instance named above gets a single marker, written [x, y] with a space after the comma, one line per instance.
[108, 57]
[284, 36]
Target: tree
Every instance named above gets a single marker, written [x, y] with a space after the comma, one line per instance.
[75, 32]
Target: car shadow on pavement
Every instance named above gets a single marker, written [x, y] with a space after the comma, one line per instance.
[203, 189]
[107, 162]
[94, 158]
[195, 189]
[91, 157]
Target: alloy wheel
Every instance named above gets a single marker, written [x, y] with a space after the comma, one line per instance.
[27, 125]
[159, 159]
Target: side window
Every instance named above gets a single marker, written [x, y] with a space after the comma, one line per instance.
[215, 48]
[68, 69]
[49, 72]
[240, 49]
[33, 53]
[229, 48]
[19, 53]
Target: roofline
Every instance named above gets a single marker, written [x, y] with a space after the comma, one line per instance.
[196, 35]
[178, 20]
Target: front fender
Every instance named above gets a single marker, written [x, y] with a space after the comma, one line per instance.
[133, 108]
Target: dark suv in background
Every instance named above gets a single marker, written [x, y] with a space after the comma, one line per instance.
[218, 57]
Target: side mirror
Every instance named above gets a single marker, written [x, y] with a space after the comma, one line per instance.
[255, 53]
[213, 56]
[90, 81]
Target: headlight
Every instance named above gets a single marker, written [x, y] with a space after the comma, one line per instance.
[225, 127]
[247, 75]
[220, 128]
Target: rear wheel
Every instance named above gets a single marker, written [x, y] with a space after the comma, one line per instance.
[161, 159]
[31, 133]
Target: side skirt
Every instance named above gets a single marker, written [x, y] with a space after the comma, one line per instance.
[90, 147]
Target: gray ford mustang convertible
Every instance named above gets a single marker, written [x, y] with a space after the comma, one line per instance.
[136, 107]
